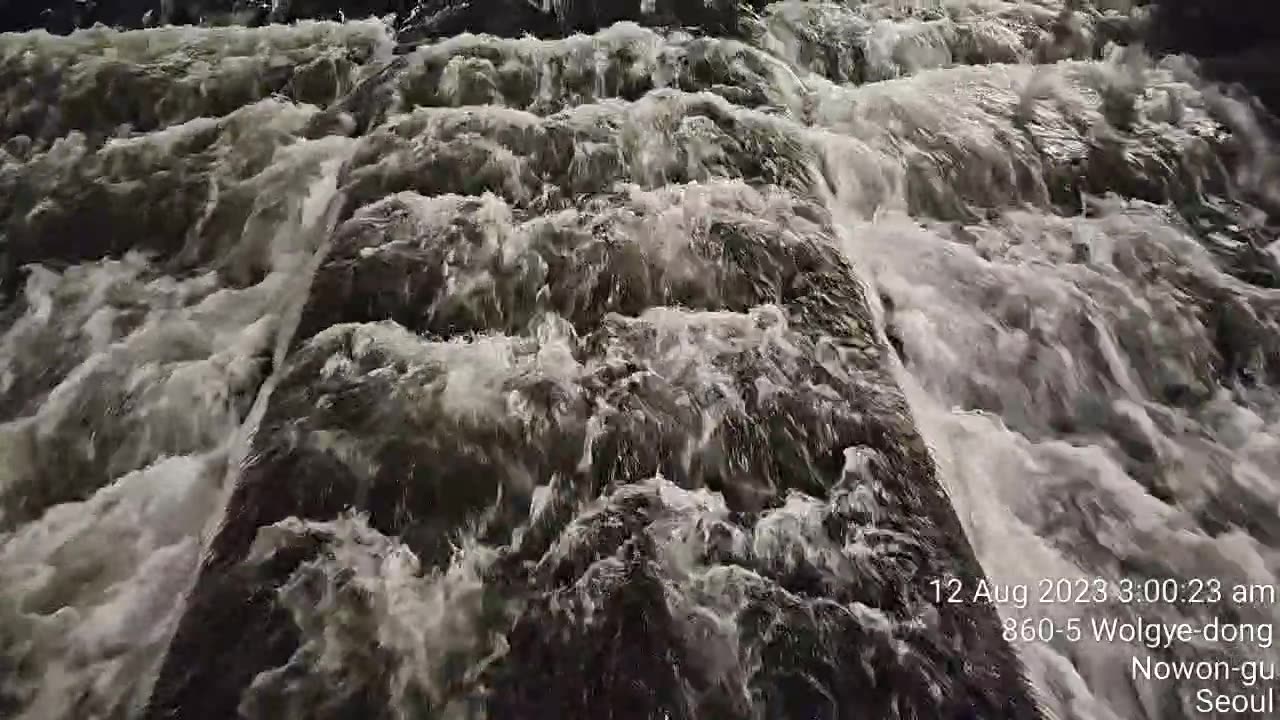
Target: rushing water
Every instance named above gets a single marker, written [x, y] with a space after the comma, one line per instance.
[607, 375]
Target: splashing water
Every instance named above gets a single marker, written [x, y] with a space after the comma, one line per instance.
[640, 373]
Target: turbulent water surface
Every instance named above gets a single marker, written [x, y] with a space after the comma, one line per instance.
[640, 369]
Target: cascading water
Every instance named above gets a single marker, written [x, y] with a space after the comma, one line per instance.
[645, 372]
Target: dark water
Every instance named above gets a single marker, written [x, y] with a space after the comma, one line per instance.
[641, 369]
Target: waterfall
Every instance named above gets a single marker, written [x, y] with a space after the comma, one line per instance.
[664, 361]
